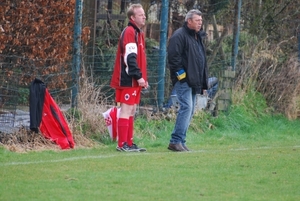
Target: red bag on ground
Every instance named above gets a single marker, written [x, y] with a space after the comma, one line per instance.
[53, 125]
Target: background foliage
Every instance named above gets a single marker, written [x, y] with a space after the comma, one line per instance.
[35, 38]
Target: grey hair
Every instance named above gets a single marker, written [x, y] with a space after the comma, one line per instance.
[191, 13]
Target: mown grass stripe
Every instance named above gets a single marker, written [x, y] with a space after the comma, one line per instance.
[135, 154]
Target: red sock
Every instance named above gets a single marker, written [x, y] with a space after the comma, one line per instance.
[122, 131]
[130, 131]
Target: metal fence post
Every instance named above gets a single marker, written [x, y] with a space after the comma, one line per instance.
[162, 52]
[76, 51]
[298, 33]
[236, 33]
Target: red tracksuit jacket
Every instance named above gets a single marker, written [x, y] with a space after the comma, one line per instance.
[131, 62]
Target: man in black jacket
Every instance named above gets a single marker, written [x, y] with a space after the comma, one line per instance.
[189, 73]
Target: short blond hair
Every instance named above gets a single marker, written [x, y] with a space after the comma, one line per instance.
[131, 9]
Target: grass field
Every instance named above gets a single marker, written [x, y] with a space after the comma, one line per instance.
[211, 172]
[247, 154]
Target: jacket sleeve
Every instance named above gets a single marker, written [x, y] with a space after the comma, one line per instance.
[130, 54]
[175, 50]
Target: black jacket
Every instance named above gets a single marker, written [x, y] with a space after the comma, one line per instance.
[188, 53]
[36, 100]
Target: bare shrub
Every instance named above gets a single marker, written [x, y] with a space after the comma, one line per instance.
[24, 140]
[274, 73]
[87, 120]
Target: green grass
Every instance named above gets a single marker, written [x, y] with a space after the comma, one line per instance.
[225, 164]
[247, 154]
[210, 173]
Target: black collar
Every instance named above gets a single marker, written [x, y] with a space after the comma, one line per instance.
[192, 32]
[130, 23]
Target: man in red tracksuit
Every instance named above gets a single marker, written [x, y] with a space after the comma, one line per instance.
[130, 76]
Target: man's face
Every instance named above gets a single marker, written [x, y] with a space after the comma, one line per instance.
[195, 23]
[139, 17]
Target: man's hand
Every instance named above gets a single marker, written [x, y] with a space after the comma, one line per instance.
[142, 83]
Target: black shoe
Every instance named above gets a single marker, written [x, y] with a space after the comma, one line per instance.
[134, 147]
[124, 148]
[176, 147]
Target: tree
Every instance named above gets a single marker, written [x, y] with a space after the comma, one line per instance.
[36, 41]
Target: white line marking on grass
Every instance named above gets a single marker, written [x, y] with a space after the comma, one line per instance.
[134, 154]
[69, 159]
